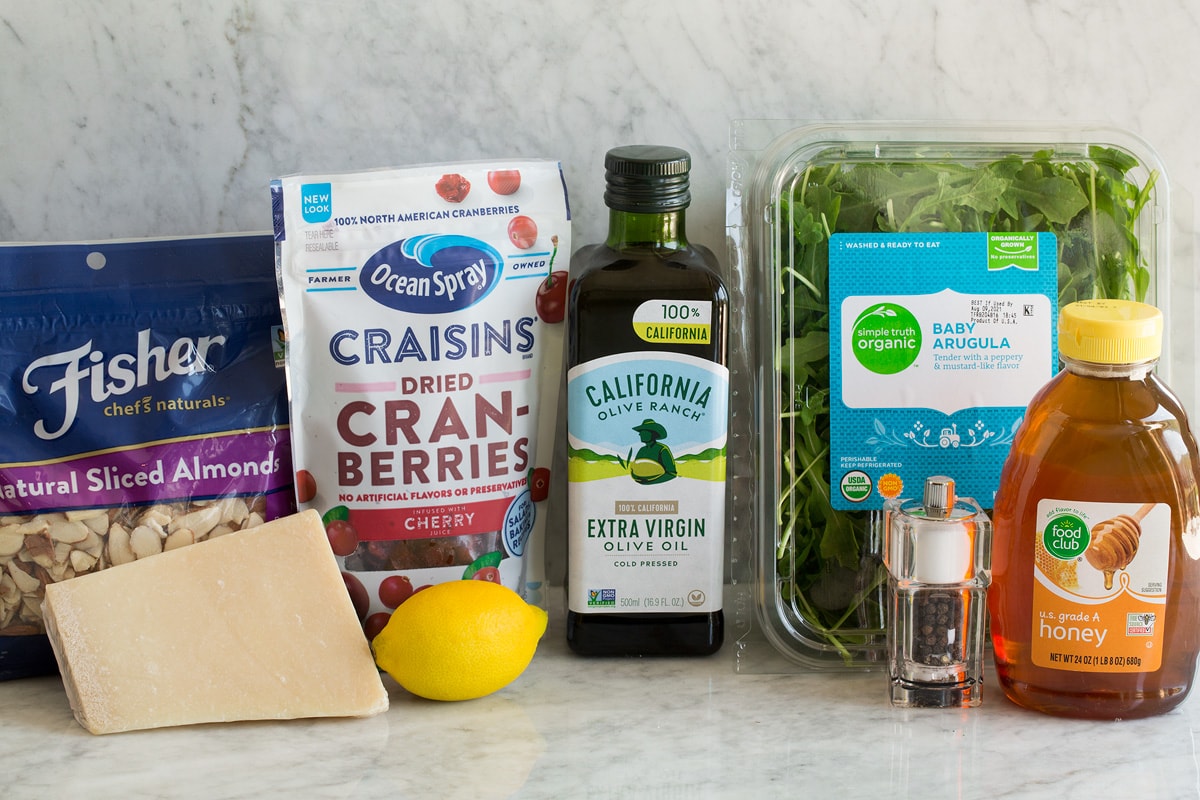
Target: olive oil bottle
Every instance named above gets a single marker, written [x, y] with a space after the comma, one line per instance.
[647, 422]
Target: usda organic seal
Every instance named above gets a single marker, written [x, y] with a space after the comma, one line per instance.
[856, 486]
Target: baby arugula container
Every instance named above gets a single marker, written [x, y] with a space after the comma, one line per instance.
[900, 285]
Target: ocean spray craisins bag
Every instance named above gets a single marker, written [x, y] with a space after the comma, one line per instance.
[424, 312]
[141, 409]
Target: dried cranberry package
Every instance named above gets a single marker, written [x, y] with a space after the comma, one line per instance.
[424, 310]
[141, 409]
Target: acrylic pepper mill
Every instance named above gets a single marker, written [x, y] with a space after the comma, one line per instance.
[937, 554]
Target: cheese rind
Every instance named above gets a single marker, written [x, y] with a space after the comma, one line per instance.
[253, 625]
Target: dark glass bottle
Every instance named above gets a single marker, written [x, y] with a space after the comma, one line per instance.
[648, 378]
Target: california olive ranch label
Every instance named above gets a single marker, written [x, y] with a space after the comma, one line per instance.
[647, 435]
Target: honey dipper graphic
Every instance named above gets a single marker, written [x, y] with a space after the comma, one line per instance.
[1115, 542]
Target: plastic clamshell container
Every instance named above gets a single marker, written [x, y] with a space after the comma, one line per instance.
[798, 606]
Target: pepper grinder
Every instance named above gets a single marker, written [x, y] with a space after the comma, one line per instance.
[938, 559]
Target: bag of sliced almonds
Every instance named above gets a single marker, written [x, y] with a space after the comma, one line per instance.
[142, 408]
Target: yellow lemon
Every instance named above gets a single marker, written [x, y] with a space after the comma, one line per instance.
[459, 640]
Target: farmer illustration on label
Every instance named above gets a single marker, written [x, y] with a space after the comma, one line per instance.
[654, 462]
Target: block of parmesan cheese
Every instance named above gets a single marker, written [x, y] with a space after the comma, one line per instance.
[253, 625]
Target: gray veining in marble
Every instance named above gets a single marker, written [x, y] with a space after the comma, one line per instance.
[128, 119]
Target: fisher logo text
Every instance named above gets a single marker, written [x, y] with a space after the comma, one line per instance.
[87, 372]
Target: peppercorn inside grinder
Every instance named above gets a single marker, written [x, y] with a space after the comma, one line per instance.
[937, 554]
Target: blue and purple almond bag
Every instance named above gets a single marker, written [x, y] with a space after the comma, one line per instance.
[142, 408]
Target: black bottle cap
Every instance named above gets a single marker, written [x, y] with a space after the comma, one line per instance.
[647, 179]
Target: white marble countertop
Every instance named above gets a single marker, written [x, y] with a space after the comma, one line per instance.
[613, 728]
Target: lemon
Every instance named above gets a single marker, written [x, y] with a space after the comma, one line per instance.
[459, 640]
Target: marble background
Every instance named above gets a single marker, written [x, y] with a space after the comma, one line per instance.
[129, 118]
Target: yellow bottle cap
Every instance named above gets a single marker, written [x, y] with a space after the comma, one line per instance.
[1110, 331]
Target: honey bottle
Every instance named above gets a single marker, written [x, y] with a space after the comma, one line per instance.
[1095, 594]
